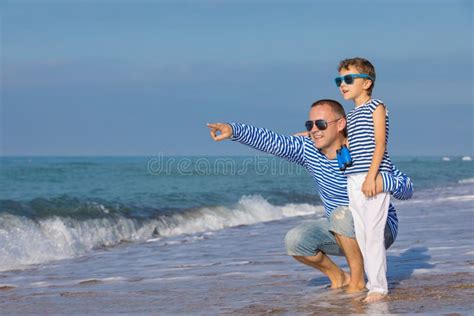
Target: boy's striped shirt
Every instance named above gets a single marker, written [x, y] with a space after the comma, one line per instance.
[360, 133]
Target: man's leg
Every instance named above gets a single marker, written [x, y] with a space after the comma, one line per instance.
[310, 243]
[342, 225]
[323, 263]
[355, 262]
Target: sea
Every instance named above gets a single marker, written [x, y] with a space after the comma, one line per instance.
[205, 235]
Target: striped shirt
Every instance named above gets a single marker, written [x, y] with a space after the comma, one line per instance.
[360, 133]
[330, 182]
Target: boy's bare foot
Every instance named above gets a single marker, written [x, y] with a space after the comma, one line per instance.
[373, 297]
[344, 281]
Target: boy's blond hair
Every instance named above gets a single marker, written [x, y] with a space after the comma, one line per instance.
[362, 65]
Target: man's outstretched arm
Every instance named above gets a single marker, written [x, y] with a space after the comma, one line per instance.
[287, 147]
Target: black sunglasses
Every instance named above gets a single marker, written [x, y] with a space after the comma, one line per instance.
[320, 124]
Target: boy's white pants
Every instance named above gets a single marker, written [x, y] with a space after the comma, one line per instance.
[370, 218]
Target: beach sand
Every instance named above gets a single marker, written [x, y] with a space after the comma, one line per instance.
[443, 294]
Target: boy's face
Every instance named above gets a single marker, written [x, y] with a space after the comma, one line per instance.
[355, 90]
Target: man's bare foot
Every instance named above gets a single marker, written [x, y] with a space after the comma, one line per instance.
[355, 288]
[344, 281]
[373, 297]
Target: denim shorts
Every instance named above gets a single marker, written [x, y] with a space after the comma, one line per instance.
[310, 237]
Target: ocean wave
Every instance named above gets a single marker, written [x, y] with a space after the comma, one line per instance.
[72, 207]
[465, 181]
[34, 236]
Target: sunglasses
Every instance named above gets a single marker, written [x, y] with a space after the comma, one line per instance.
[320, 124]
[349, 79]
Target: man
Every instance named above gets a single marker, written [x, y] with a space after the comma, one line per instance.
[311, 242]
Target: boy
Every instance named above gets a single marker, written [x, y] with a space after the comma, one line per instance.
[367, 126]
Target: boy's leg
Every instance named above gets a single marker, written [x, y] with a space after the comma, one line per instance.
[354, 190]
[342, 225]
[370, 218]
[376, 264]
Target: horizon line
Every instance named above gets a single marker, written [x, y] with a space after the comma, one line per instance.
[186, 155]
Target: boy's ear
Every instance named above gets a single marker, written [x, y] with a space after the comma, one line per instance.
[367, 84]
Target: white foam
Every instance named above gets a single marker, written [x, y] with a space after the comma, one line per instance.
[179, 278]
[465, 181]
[197, 265]
[40, 284]
[462, 198]
[24, 241]
[456, 198]
[422, 271]
[105, 280]
[249, 210]
[238, 263]
[153, 239]
[449, 248]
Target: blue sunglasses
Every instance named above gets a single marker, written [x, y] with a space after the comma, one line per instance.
[349, 79]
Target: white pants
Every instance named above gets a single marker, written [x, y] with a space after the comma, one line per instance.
[370, 218]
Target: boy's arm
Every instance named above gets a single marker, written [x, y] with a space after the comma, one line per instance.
[287, 147]
[379, 117]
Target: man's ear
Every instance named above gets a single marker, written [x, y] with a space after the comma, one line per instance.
[341, 124]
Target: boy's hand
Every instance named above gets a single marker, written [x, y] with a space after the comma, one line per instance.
[369, 187]
[224, 129]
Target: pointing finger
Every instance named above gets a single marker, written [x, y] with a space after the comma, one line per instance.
[213, 125]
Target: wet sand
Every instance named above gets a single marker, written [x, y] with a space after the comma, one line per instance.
[445, 294]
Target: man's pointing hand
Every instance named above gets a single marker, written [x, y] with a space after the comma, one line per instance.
[224, 129]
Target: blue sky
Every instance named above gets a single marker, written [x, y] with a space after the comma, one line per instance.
[144, 77]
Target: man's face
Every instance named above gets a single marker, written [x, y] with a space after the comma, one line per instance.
[324, 139]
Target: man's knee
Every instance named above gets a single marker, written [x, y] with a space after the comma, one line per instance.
[341, 213]
[293, 241]
[300, 241]
[308, 238]
[341, 222]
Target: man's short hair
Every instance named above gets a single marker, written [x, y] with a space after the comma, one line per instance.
[362, 65]
[335, 106]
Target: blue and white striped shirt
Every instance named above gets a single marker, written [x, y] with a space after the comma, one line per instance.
[360, 133]
[331, 183]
